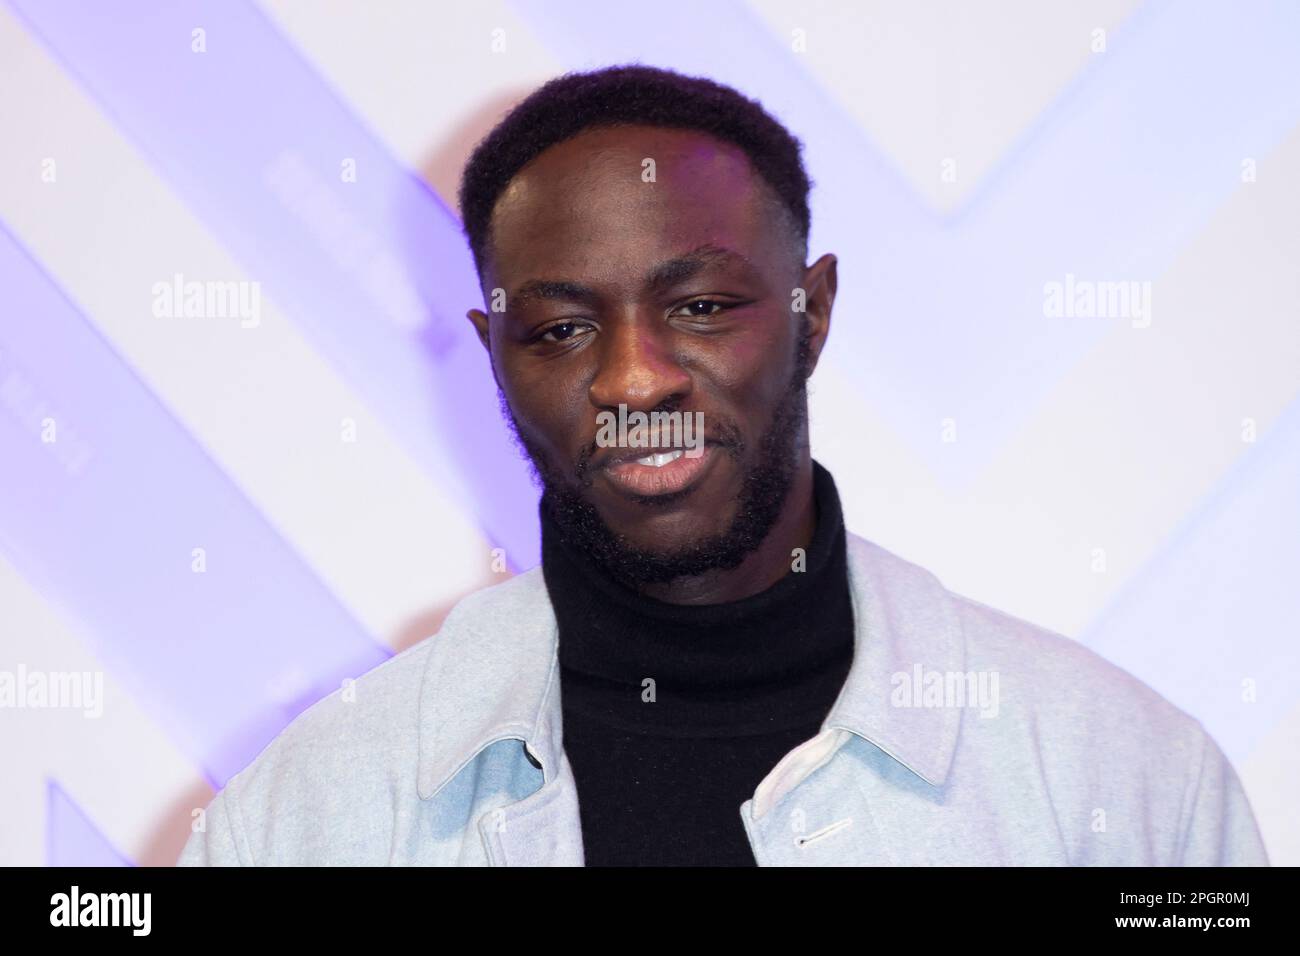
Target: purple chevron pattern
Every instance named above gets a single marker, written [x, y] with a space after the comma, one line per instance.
[228, 517]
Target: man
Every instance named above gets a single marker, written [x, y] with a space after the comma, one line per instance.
[707, 668]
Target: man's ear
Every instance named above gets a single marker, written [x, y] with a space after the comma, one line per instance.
[819, 283]
[480, 320]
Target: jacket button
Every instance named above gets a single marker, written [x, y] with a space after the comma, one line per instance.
[531, 759]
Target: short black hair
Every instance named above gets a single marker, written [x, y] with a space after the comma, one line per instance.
[624, 95]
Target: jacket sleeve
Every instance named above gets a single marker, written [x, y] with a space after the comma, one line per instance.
[218, 843]
[1220, 828]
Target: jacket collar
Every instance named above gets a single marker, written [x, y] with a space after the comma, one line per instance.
[492, 671]
[904, 619]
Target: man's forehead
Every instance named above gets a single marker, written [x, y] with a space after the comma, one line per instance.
[629, 171]
[569, 212]
[642, 259]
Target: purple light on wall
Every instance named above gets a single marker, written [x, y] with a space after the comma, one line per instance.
[110, 508]
[355, 248]
[70, 838]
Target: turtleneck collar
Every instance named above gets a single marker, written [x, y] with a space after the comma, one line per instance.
[768, 662]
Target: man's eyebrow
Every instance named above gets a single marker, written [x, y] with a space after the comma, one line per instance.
[683, 267]
[550, 289]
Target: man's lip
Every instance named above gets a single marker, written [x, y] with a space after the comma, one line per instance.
[647, 481]
[614, 456]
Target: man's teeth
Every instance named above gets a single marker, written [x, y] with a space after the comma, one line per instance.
[658, 461]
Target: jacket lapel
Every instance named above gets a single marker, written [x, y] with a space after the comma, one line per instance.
[493, 674]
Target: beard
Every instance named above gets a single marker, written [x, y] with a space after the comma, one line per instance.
[764, 489]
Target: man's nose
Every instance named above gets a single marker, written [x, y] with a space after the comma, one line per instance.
[638, 369]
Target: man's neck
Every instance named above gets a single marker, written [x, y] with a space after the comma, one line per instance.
[766, 565]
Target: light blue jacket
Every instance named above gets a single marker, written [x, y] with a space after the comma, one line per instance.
[1063, 759]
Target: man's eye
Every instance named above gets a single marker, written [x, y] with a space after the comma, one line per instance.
[559, 332]
[701, 308]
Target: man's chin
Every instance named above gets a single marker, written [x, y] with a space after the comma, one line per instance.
[670, 534]
[666, 525]
[659, 565]
[648, 546]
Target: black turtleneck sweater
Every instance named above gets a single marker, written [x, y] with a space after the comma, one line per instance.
[662, 768]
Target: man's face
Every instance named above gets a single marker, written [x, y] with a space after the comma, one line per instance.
[671, 295]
